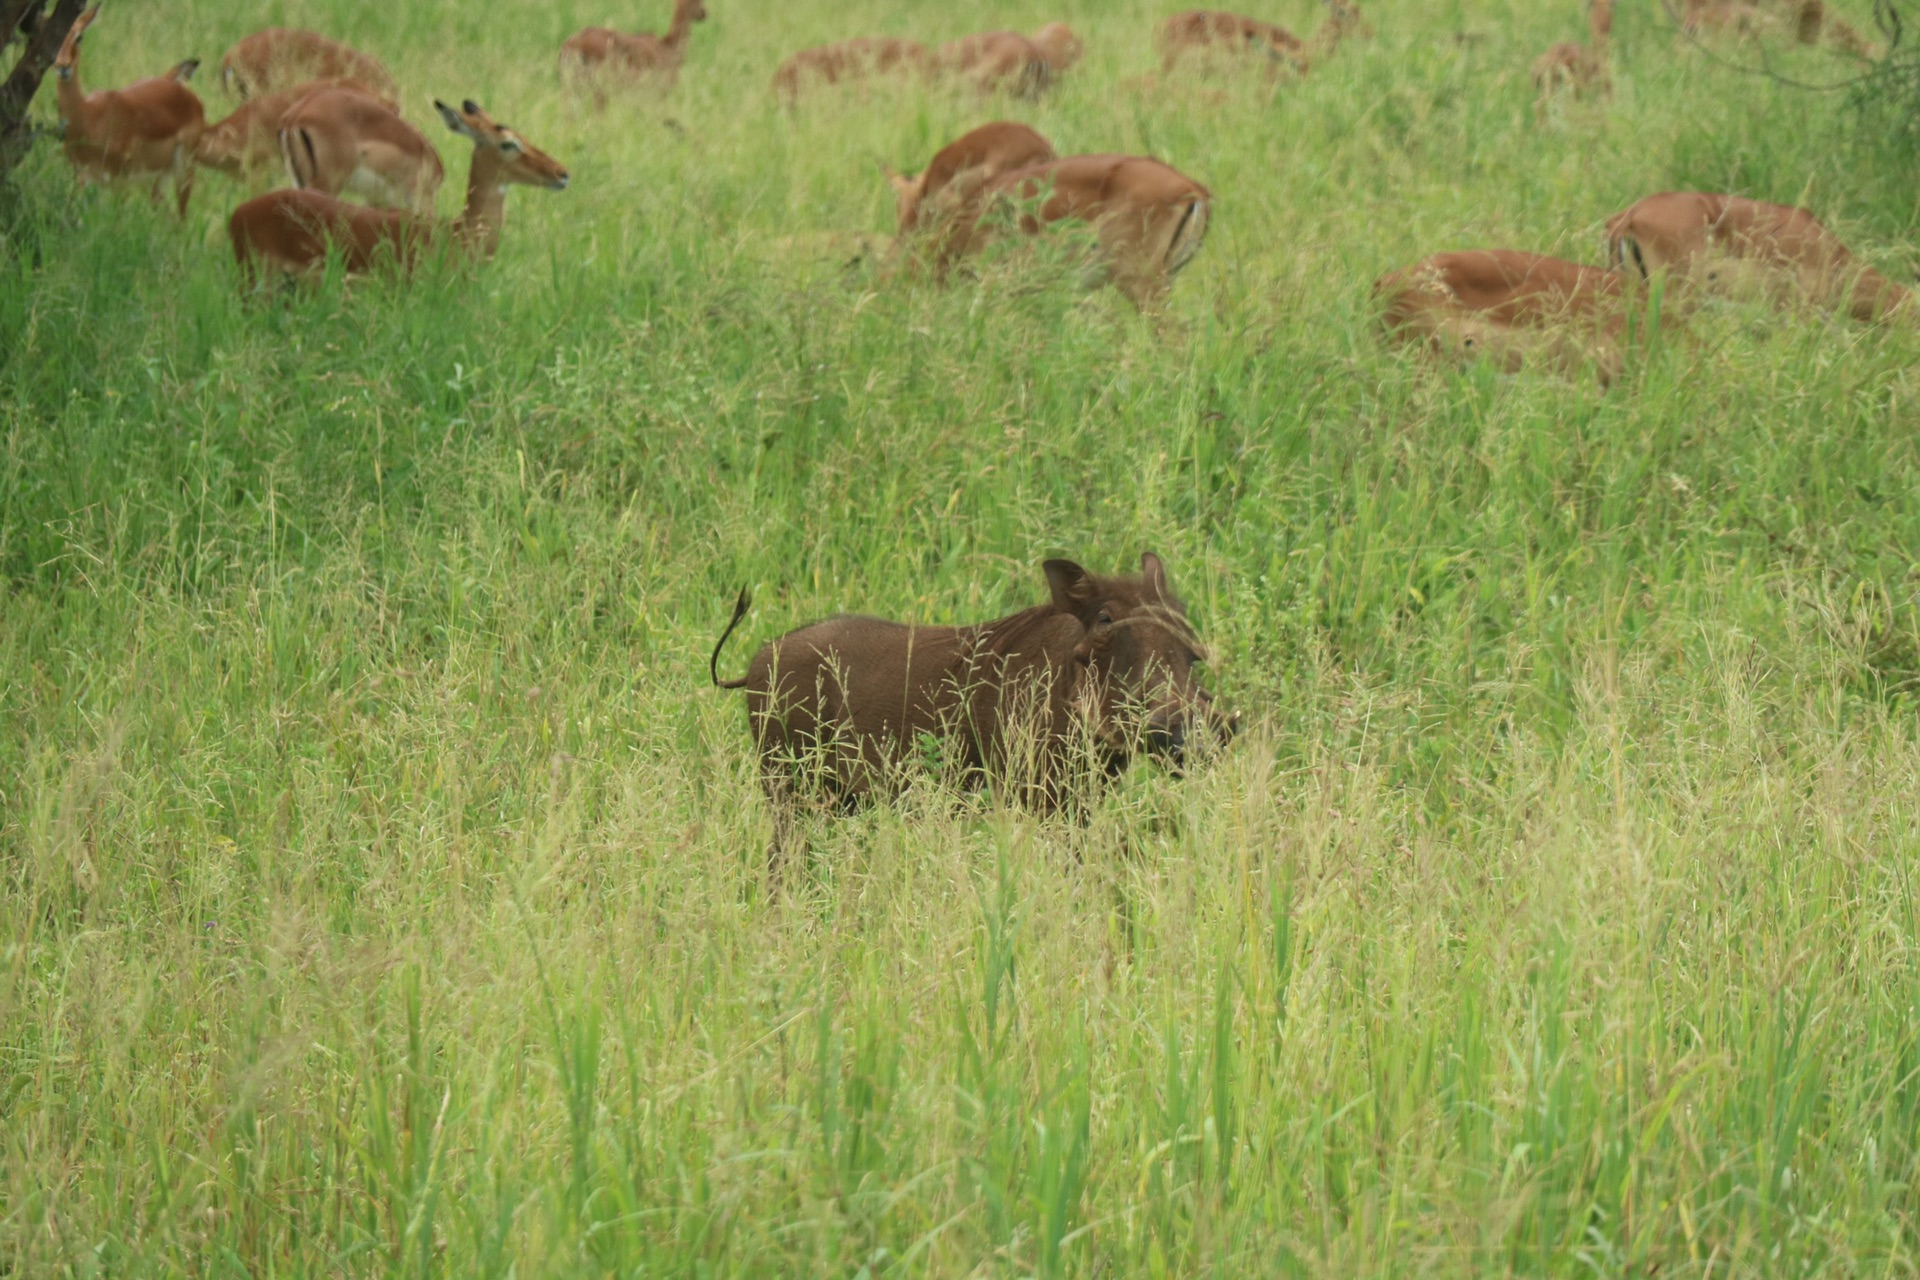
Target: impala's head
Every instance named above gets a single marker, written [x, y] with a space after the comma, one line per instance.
[907, 190]
[690, 10]
[1061, 47]
[69, 55]
[1142, 654]
[519, 161]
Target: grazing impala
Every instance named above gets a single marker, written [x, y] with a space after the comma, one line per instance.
[290, 231]
[1148, 218]
[1006, 61]
[282, 57]
[340, 140]
[150, 129]
[849, 60]
[960, 169]
[595, 57]
[1578, 69]
[1211, 32]
[247, 143]
[1508, 307]
[1731, 244]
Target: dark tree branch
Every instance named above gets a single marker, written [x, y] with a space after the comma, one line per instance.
[16, 94]
[1885, 16]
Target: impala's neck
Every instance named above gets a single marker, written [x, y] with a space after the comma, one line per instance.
[1600, 22]
[681, 27]
[72, 99]
[478, 226]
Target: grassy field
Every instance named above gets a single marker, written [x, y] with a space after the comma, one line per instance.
[381, 885]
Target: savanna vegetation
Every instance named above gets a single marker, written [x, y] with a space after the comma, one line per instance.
[382, 886]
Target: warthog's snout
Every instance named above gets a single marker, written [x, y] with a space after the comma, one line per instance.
[1173, 732]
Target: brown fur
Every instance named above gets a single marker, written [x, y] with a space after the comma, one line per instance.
[959, 169]
[597, 57]
[1233, 34]
[281, 57]
[849, 60]
[1507, 306]
[291, 231]
[148, 130]
[1344, 22]
[246, 143]
[1578, 69]
[337, 139]
[995, 62]
[1722, 242]
[1039, 701]
[1150, 218]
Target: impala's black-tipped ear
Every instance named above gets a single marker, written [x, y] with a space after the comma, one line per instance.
[472, 108]
[1072, 586]
[1155, 573]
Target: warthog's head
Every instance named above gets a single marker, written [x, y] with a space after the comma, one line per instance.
[1142, 655]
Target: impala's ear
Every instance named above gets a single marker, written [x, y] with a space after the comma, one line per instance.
[1156, 575]
[455, 121]
[1072, 586]
[902, 183]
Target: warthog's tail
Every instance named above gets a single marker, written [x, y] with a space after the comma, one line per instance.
[713, 664]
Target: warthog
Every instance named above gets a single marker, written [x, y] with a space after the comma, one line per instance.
[1040, 702]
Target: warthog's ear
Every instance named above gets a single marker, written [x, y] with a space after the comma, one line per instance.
[1073, 587]
[1156, 575]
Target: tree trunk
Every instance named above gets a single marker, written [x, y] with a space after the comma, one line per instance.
[16, 94]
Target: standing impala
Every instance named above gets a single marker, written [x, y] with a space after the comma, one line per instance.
[1006, 61]
[151, 128]
[1148, 218]
[246, 143]
[1212, 32]
[338, 140]
[1731, 244]
[290, 231]
[1577, 68]
[1509, 307]
[848, 60]
[595, 55]
[281, 57]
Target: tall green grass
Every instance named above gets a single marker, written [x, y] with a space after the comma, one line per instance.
[383, 887]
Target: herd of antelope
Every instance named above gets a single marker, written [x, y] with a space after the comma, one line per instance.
[1065, 692]
[326, 116]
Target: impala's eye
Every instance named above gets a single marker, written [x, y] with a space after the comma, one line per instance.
[509, 145]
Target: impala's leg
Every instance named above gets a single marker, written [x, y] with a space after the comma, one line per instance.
[183, 169]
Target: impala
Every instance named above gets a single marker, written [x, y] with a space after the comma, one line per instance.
[282, 57]
[961, 168]
[592, 56]
[1344, 22]
[1732, 244]
[151, 128]
[1509, 307]
[291, 231]
[338, 140]
[849, 60]
[1007, 61]
[247, 143]
[1211, 31]
[1578, 68]
[1148, 218]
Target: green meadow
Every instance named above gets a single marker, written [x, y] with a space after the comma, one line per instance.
[382, 885]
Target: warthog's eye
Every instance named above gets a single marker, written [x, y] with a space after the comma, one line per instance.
[1105, 619]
